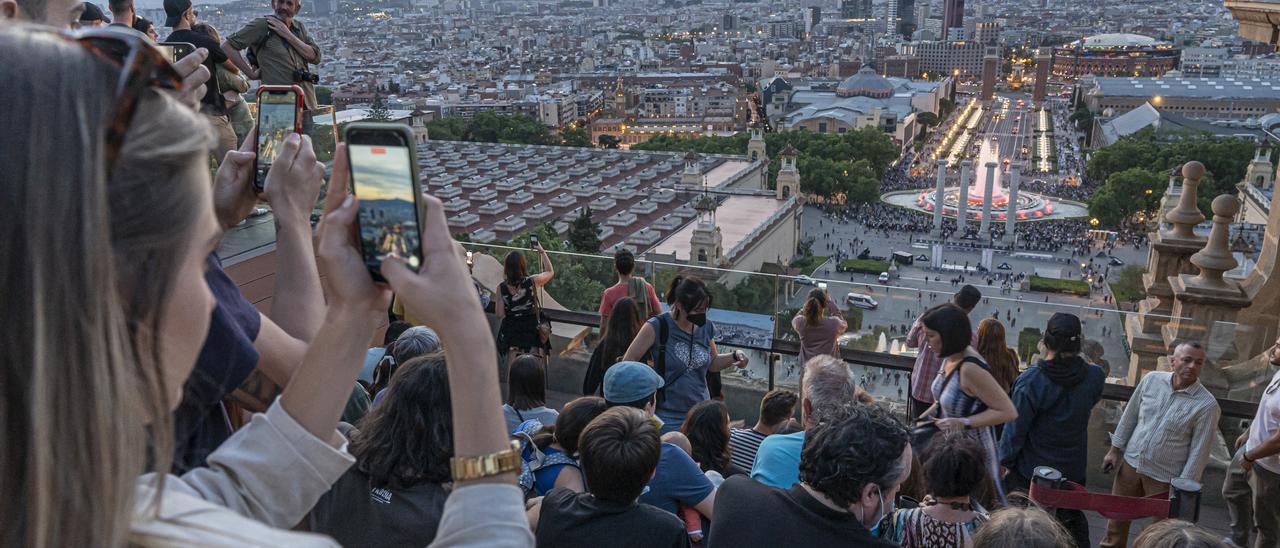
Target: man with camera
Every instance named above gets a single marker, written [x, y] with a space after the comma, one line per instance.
[280, 51]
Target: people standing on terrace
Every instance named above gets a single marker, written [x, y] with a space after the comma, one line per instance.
[1252, 488]
[624, 264]
[1166, 432]
[969, 401]
[688, 351]
[518, 306]
[615, 338]
[1055, 399]
[114, 296]
[928, 362]
[819, 326]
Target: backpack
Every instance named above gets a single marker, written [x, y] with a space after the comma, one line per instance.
[660, 359]
[532, 459]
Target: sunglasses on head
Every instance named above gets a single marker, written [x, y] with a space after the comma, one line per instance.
[141, 66]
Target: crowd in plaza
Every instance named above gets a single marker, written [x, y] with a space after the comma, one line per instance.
[149, 403]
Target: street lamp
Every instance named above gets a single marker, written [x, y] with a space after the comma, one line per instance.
[1093, 222]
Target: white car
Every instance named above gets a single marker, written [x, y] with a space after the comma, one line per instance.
[861, 300]
[883, 279]
[805, 280]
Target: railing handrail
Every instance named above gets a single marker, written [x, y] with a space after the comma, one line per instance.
[1116, 392]
[874, 286]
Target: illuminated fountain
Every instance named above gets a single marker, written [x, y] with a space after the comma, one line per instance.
[1026, 206]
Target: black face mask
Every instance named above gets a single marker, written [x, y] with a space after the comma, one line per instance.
[699, 319]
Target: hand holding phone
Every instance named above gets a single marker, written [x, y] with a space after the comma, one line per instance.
[175, 51]
[279, 115]
[383, 164]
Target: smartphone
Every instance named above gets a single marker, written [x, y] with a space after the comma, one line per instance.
[533, 240]
[173, 51]
[279, 114]
[384, 176]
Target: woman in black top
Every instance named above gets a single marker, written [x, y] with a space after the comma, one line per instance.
[395, 493]
[624, 323]
[518, 332]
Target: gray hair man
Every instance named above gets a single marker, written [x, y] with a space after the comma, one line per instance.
[827, 391]
[1166, 432]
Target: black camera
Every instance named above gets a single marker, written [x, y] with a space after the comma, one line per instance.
[304, 75]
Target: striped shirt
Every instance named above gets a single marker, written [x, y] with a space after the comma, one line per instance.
[1167, 433]
[743, 444]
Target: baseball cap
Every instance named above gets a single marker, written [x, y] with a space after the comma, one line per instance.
[93, 13]
[630, 381]
[173, 10]
[1064, 327]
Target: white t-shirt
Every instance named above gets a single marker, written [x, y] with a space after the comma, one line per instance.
[1266, 423]
[544, 415]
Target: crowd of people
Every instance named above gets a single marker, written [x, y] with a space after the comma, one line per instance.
[148, 402]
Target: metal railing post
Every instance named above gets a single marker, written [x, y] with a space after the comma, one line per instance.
[777, 329]
[1184, 499]
[1050, 478]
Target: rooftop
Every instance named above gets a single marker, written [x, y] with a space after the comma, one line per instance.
[1117, 40]
[495, 191]
[1206, 88]
[737, 217]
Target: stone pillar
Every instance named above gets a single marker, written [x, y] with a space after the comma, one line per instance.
[984, 226]
[1171, 249]
[1012, 215]
[962, 209]
[938, 204]
[1205, 305]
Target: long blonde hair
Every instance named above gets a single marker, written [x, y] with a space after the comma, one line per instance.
[89, 259]
[994, 349]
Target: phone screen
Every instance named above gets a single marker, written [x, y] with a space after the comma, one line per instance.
[277, 118]
[381, 176]
[169, 52]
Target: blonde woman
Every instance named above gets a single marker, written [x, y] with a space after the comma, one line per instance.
[103, 294]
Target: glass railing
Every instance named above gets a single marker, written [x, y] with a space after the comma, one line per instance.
[257, 232]
[751, 310]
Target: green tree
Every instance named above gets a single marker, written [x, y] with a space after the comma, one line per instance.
[1224, 158]
[584, 234]
[577, 137]
[1126, 193]
[608, 141]
[378, 110]
[324, 95]
[487, 127]
[1128, 286]
[927, 119]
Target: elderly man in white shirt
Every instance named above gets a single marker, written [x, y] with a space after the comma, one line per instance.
[1165, 433]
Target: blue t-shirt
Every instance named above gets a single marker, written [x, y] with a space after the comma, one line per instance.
[545, 479]
[371, 359]
[686, 380]
[677, 480]
[778, 460]
[226, 360]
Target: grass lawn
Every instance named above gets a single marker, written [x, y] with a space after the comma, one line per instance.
[808, 264]
[1074, 287]
[865, 266]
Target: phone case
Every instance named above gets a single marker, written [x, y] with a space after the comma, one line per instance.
[301, 101]
[407, 135]
[299, 112]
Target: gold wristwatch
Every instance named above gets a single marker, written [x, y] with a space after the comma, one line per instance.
[483, 466]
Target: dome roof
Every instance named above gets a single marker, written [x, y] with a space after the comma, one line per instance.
[866, 83]
[1118, 40]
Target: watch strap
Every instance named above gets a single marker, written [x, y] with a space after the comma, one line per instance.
[483, 466]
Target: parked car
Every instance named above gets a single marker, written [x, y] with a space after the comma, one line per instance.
[1115, 261]
[883, 279]
[861, 300]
